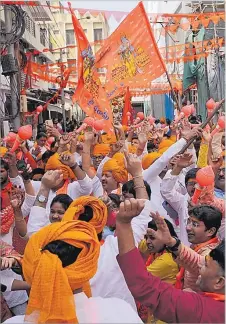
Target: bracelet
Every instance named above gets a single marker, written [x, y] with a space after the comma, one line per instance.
[85, 152]
[140, 176]
[176, 245]
[19, 220]
[74, 166]
[139, 187]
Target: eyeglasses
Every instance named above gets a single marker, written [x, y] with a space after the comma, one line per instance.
[192, 223]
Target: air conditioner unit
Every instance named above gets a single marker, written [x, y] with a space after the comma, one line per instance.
[9, 64]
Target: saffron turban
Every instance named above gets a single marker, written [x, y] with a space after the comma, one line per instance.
[149, 158]
[116, 165]
[108, 138]
[173, 138]
[100, 212]
[51, 298]
[54, 163]
[165, 143]
[162, 150]
[101, 149]
[3, 151]
[132, 149]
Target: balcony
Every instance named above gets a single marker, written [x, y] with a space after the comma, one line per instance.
[40, 13]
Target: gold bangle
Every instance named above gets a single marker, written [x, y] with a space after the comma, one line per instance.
[139, 187]
[140, 176]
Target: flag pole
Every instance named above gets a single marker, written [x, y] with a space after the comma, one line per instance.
[171, 86]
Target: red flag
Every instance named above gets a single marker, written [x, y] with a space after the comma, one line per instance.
[89, 93]
[127, 108]
[130, 54]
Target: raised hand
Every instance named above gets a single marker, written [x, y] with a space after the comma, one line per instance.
[129, 209]
[52, 131]
[114, 148]
[17, 197]
[7, 262]
[134, 166]
[10, 158]
[65, 139]
[183, 160]
[89, 136]
[188, 134]
[52, 178]
[162, 233]
[36, 151]
[67, 159]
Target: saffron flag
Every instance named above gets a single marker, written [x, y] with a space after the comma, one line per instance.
[130, 54]
[127, 108]
[89, 93]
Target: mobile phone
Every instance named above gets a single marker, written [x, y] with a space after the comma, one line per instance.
[49, 122]
[21, 165]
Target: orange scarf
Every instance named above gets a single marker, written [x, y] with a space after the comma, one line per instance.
[7, 213]
[180, 275]
[63, 189]
[218, 297]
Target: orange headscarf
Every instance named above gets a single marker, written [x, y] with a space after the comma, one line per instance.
[101, 149]
[149, 158]
[116, 165]
[100, 213]
[163, 150]
[54, 163]
[51, 298]
[132, 149]
[165, 143]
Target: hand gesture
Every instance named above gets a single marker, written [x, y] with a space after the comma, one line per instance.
[67, 159]
[17, 197]
[52, 179]
[64, 140]
[160, 133]
[143, 133]
[7, 262]
[133, 164]
[52, 131]
[195, 132]
[10, 158]
[129, 209]
[206, 136]
[26, 174]
[89, 136]
[114, 148]
[162, 233]
[36, 151]
[183, 160]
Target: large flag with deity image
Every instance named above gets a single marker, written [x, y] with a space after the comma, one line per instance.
[89, 94]
[130, 54]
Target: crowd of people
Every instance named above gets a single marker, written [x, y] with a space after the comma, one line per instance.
[99, 228]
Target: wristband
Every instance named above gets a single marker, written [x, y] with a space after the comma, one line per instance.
[176, 245]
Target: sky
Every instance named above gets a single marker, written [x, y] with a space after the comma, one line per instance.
[117, 5]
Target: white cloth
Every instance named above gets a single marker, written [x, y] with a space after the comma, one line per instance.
[97, 187]
[151, 175]
[97, 310]
[78, 158]
[25, 208]
[178, 201]
[75, 189]
[109, 281]
[13, 298]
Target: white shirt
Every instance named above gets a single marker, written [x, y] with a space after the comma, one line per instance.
[75, 189]
[178, 201]
[13, 298]
[151, 175]
[109, 280]
[97, 310]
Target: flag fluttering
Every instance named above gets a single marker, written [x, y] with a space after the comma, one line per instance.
[128, 110]
[89, 93]
[130, 54]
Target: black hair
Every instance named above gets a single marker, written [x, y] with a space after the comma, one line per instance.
[134, 136]
[52, 145]
[64, 199]
[37, 171]
[153, 226]
[115, 198]
[218, 254]
[46, 155]
[41, 134]
[151, 146]
[168, 121]
[191, 174]
[129, 188]
[209, 215]
[67, 253]
[4, 164]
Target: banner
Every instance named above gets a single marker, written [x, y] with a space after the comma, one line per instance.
[89, 93]
[127, 108]
[130, 54]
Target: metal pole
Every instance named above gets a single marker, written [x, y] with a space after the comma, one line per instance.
[62, 92]
[13, 80]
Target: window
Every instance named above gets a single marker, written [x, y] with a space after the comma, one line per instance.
[70, 37]
[43, 36]
[85, 31]
[97, 34]
[30, 25]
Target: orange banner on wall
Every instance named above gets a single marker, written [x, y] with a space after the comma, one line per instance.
[130, 54]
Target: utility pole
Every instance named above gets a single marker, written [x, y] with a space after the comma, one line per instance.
[13, 79]
[62, 90]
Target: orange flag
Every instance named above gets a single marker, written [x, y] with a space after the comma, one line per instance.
[127, 108]
[89, 93]
[130, 54]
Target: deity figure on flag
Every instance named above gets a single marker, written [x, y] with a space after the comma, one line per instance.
[128, 55]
